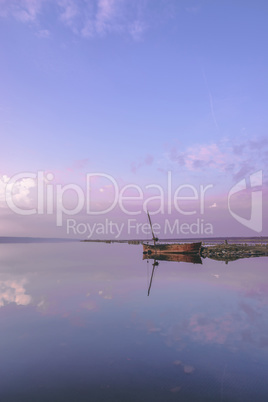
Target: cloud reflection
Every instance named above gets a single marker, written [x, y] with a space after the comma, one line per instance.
[13, 291]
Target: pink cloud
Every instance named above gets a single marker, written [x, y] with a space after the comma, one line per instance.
[84, 18]
[22, 10]
[225, 157]
[70, 11]
[205, 156]
[105, 14]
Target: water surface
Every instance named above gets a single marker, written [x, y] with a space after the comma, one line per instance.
[77, 324]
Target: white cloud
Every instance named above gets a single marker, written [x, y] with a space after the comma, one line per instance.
[113, 16]
[69, 13]
[22, 10]
[20, 190]
[105, 15]
[3, 182]
[86, 18]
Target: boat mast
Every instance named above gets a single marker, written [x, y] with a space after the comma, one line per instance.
[154, 238]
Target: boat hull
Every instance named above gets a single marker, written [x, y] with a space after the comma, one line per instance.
[172, 248]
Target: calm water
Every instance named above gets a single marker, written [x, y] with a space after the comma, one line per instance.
[77, 325]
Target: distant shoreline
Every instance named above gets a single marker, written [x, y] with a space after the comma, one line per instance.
[206, 240]
[22, 239]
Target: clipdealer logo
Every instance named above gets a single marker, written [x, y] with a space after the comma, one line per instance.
[255, 220]
[52, 199]
[132, 227]
[131, 199]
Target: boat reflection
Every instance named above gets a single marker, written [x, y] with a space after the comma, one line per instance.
[192, 258]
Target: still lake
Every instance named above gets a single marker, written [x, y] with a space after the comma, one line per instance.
[77, 324]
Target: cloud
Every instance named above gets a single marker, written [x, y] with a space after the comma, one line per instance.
[113, 16]
[203, 156]
[106, 15]
[237, 159]
[69, 13]
[22, 10]
[3, 183]
[70, 10]
[88, 18]
[20, 190]
[258, 144]
[177, 157]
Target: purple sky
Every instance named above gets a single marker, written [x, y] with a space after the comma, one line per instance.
[134, 89]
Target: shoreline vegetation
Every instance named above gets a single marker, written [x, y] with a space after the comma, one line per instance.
[231, 252]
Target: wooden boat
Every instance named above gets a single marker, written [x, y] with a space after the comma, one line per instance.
[167, 248]
[176, 257]
[183, 248]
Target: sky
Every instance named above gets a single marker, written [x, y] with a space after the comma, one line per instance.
[162, 97]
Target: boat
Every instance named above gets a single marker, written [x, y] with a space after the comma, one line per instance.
[169, 248]
[176, 257]
[175, 248]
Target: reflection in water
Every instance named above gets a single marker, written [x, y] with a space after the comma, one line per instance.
[191, 258]
[155, 264]
[89, 332]
[13, 291]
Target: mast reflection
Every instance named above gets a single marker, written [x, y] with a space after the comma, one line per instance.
[192, 258]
